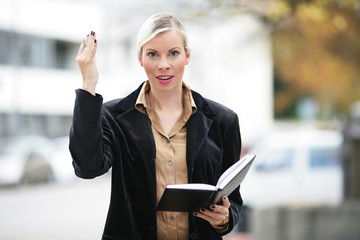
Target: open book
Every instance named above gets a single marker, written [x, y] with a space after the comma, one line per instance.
[193, 196]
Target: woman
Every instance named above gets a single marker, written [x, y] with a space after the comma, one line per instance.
[162, 133]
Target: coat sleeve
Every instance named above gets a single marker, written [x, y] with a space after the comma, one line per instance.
[91, 137]
[231, 154]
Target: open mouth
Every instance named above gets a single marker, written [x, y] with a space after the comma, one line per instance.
[164, 77]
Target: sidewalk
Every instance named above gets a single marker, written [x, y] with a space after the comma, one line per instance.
[237, 236]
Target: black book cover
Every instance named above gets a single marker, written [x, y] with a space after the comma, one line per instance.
[191, 197]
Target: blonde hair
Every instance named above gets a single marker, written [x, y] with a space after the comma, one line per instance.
[160, 23]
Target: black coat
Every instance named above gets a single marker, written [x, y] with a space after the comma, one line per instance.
[117, 135]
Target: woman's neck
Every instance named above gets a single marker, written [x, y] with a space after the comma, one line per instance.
[166, 101]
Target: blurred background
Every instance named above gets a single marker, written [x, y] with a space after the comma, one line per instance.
[290, 69]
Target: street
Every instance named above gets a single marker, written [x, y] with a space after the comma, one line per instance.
[72, 211]
[54, 211]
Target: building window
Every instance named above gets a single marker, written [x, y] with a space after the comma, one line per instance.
[65, 53]
[5, 53]
[33, 51]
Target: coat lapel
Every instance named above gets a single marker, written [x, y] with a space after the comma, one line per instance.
[198, 127]
[138, 128]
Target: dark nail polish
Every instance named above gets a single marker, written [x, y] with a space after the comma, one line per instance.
[91, 33]
[195, 214]
[212, 206]
[87, 35]
[202, 209]
[95, 41]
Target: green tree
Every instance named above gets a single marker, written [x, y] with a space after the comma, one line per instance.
[316, 50]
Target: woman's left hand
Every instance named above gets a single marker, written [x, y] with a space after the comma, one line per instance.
[218, 215]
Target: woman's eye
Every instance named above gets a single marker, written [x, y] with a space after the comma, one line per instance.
[174, 53]
[152, 54]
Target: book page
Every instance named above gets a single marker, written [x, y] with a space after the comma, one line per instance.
[232, 171]
[195, 186]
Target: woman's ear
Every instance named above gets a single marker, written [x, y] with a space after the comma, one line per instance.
[188, 56]
[140, 61]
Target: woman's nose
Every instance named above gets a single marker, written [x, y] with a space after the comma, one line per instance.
[164, 64]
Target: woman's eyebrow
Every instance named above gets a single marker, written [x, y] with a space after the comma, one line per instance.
[153, 50]
[172, 49]
[150, 49]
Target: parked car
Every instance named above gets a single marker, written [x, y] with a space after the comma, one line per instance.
[61, 161]
[300, 167]
[25, 160]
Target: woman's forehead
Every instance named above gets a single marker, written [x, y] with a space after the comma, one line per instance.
[165, 40]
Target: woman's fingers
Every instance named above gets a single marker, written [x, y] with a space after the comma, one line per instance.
[89, 47]
[218, 214]
[226, 202]
[84, 42]
[87, 50]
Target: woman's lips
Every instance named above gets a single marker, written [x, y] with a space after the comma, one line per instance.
[164, 79]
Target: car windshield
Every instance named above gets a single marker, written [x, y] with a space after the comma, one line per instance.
[8, 148]
[276, 160]
[17, 145]
[324, 157]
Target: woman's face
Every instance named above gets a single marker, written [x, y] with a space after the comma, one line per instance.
[164, 59]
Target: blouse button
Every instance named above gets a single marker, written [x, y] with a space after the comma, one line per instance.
[170, 163]
[172, 217]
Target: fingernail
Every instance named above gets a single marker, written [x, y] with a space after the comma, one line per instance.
[212, 206]
[202, 209]
[95, 41]
[224, 197]
[91, 33]
[87, 35]
[195, 214]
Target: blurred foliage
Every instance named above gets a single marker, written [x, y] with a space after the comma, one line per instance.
[316, 50]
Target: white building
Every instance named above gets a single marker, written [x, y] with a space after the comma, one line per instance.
[39, 39]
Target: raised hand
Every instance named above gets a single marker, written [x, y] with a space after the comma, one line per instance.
[87, 64]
